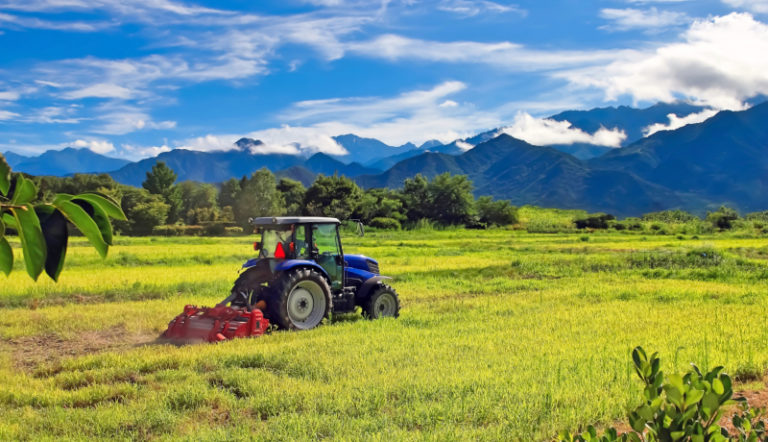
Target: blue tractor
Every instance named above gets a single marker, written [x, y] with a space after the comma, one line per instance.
[302, 275]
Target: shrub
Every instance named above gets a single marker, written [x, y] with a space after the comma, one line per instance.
[595, 221]
[214, 229]
[233, 231]
[385, 223]
[670, 216]
[679, 407]
[723, 218]
[177, 230]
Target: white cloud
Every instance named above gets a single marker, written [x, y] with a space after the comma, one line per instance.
[414, 116]
[36, 23]
[647, 19]
[101, 90]
[7, 115]
[449, 103]
[544, 132]
[98, 146]
[9, 95]
[122, 119]
[471, 8]
[719, 63]
[676, 122]
[758, 6]
[507, 55]
[463, 145]
[137, 9]
[137, 152]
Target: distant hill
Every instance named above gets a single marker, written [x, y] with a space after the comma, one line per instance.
[632, 121]
[508, 168]
[14, 159]
[327, 165]
[724, 159]
[367, 150]
[65, 162]
[207, 167]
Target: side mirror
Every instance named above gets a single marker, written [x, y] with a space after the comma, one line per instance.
[257, 246]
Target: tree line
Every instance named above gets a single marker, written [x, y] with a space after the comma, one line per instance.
[164, 206]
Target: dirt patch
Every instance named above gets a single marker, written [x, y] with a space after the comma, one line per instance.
[29, 352]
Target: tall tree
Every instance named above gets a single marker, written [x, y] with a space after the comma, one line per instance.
[160, 181]
[143, 210]
[416, 197]
[198, 202]
[293, 193]
[258, 196]
[336, 196]
[450, 199]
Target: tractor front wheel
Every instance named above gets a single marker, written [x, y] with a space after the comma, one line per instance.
[383, 303]
[301, 300]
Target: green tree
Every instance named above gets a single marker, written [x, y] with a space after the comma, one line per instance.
[415, 195]
[258, 196]
[500, 213]
[293, 193]
[723, 218]
[228, 193]
[450, 199]
[381, 203]
[144, 211]
[335, 196]
[42, 227]
[198, 202]
[160, 181]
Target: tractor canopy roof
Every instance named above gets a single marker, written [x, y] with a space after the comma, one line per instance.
[283, 220]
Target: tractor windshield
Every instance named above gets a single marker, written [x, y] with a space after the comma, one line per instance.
[276, 243]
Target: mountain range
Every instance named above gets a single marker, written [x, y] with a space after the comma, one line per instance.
[696, 167]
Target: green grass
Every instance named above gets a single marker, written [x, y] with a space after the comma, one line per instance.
[502, 335]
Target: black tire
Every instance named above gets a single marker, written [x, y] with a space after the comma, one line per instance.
[247, 289]
[383, 302]
[301, 301]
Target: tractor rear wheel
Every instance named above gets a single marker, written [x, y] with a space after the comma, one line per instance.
[383, 303]
[301, 300]
[247, 289]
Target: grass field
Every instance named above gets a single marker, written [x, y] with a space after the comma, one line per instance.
[502, 335]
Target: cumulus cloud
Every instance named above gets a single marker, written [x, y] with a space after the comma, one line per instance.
[137, 152]
[649, 20]
[676, 122]
[719, 63]
[463, 145]
[116, 119]
[544, 132]
[283, 140]
[98, 146]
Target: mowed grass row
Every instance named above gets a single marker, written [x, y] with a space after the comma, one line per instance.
[502, 335]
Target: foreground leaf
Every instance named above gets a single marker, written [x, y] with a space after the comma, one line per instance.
[77, 216]
[24, 192]
[99, 217]
[56, 236]
[5, 176]
[6, 256]
[32, 240]
[107, 205]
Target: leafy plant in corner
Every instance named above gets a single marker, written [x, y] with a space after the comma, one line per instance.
[681, 408]
[42, 227]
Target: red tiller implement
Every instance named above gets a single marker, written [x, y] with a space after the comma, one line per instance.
[214, 324]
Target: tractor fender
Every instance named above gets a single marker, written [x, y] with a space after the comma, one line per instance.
[290, 264]
[369, 285]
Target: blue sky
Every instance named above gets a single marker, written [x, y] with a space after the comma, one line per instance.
[132, 79]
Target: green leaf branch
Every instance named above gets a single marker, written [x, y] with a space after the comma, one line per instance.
[42, 227]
